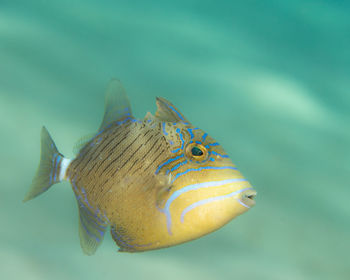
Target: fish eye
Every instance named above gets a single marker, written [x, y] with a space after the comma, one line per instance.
[196, 152]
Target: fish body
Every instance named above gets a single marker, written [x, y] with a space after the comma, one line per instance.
[155, 182]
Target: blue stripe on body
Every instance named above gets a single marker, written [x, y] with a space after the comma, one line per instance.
[108, 126]
[211, 199]
[81, 203]
[119, 238]
[167, 162]
[98, 140]
[176, 194]
[126, 119]
[118, 123]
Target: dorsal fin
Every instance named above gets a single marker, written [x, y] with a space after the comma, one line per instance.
[82, 142]
[117, 104]
[149, 117]
[168, 112]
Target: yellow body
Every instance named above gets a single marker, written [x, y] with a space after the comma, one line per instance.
[156, 182]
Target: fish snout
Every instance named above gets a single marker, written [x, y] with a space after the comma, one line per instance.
[247, 198]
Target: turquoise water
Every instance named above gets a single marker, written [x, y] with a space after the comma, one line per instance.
[268, 79]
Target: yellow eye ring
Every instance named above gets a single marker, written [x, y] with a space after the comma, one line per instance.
[196, 152]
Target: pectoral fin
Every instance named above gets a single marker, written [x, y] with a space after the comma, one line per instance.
[92, 228]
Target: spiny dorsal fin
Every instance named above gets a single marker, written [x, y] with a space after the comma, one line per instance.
[117, 104]
[168, 112]
[149, 118]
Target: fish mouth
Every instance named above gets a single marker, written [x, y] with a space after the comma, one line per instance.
[247, 198]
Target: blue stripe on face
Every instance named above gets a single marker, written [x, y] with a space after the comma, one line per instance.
[220, 155]
[167, 162]
[191, 133]
[176, 194]
[204, 136]
[241, 202]
[211, 199]
[203, 168]
[163, 126]
[212, 144]
[181, 138]
[178, 165]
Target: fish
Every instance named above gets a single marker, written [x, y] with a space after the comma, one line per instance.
[154, 183]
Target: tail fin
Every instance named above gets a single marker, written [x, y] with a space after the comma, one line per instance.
[52, 167]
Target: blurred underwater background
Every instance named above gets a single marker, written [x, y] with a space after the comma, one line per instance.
[269, 80]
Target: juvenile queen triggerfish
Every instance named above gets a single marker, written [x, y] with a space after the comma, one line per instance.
[155, 182]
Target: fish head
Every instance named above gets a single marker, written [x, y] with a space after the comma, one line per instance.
[205, 190]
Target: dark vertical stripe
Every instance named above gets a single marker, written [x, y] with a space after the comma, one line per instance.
[118, 157]
[98, 150]
[150, 149]
[93, 161]
[133, 154]
[152, 162]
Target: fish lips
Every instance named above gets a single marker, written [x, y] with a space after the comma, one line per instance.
[247, 198]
